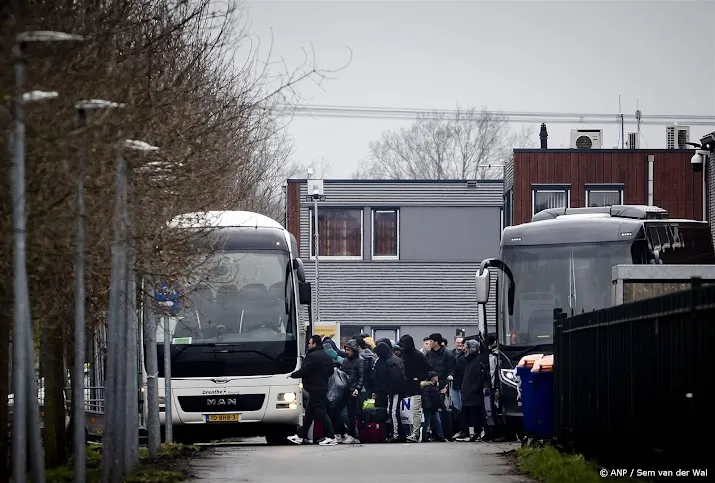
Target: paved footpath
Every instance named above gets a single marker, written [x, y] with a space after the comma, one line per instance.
[254, 462]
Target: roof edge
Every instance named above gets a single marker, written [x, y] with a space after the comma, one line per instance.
[396, 181]
[580, 151]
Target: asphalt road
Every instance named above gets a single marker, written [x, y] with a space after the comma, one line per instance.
[393, 463]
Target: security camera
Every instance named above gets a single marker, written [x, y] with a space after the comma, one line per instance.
[316, 192]
[699, 159]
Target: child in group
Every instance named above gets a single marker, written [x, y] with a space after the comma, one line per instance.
[431, 404]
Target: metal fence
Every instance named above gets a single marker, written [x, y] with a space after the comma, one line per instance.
[631, 381]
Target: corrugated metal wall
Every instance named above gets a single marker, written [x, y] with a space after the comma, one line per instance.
[398, 293]
[405, 193]
[509, 174]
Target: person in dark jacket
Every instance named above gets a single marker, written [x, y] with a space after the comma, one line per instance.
[431, 404]
[394, 383]
[380, 379]
[416, 369]
[354, 367]
[441, 360]
[472, 394]
[315, 372]
[457, 373]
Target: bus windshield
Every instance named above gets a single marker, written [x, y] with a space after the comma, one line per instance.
[238, 318]
[574, 278]
[244, 297]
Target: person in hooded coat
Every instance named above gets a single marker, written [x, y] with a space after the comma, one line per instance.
[381, 380]
[416, 369]
[472, 394]
[394, 383]
[354, 367]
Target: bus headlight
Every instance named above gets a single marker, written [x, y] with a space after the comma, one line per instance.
[508, 376]
[287, 397]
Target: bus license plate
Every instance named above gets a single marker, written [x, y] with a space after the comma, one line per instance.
[223, 418]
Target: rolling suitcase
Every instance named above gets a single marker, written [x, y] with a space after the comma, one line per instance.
[372, 432]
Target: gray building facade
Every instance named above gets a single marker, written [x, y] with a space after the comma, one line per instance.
[399, 257]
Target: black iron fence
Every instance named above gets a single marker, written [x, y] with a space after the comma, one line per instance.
[634, 383]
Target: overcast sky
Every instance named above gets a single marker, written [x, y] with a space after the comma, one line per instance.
[528, 56]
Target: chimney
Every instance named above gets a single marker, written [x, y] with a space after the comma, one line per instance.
[543, 136]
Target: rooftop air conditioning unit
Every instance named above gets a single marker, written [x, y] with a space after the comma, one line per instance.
[633, 141]
[586, 138]
[677, 136]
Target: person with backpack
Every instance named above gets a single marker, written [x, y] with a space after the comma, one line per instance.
[365, 345]
[354, 368]
[394, 386]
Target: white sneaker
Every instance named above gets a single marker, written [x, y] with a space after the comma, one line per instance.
[347, 439]
[339, 438]
[295, 439]
[328, 442]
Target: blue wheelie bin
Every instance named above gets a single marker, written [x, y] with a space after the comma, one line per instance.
[544, 382]
[528, 398]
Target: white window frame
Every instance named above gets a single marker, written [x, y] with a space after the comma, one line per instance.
[549, 188]
[340, 257]
[387, 327]
[604, 188]
[372, 234]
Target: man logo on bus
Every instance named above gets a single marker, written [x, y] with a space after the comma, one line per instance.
[221, 402]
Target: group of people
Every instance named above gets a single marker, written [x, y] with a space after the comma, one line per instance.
[451, 391]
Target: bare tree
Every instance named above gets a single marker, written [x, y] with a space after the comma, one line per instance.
[172, 63]
[466, 145]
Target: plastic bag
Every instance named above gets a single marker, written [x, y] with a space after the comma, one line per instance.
[337, 385]
[368, 404]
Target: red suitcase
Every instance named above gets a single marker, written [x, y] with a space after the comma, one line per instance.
[372, 432]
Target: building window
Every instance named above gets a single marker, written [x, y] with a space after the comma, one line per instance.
[604, 194]
[385, 233]
[347, 332]
[386, 333]
[339, 231]
[546, 196]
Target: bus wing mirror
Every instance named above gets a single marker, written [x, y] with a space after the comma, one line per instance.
[482, 286]
[299, 269]
[304, 293]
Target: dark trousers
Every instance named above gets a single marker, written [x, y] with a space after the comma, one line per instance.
[350, 402]
[317, 410]
[472, 416]
[434, 423]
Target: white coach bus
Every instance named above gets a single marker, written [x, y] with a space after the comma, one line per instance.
[235, 335]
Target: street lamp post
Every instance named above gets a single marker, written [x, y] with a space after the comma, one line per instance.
[315, 193]
[120, 392]
[132, 354]
[78, 377]
[24, 378]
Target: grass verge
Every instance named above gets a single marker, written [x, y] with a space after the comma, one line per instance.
[546, 464]
[170, 466]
